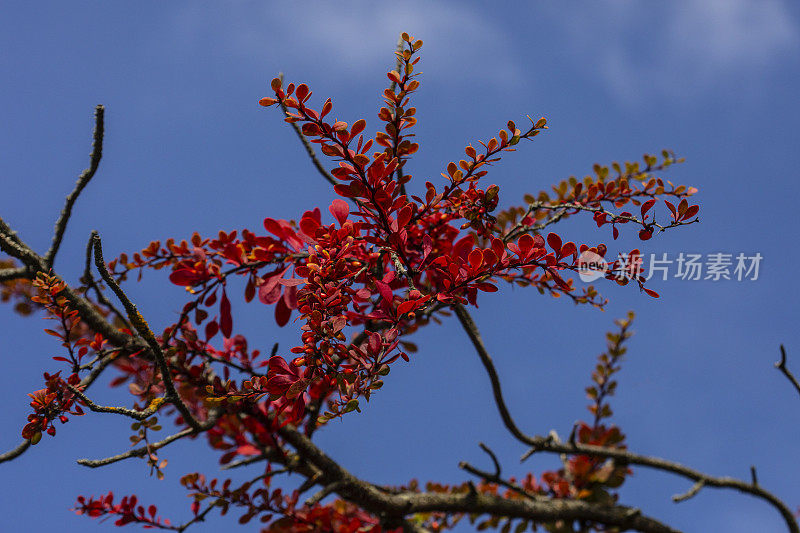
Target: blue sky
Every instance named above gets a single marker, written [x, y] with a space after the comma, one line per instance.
[188, 148]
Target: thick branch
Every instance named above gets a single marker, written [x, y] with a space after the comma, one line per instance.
[392, 507]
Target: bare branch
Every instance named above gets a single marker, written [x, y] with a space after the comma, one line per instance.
[326, 491]
[83, 180]
[130, 413]
[10, 274]
[144, 450]
[491, 454]
[495, 478]
[16, 452]
[690, 493]
[781, 365]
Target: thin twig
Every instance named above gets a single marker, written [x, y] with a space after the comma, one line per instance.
[326, 491]
[144, 450]
[398, 173]
[309, 150]
[689, 493]
[495, 478]
[491, 454]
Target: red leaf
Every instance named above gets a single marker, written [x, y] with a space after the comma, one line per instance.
[427, 246]
[672, 209]
[249, 291]
[525, 244]
[652, 293]
[475, 259]
[339, 209]
[358, 127]
[225, 319]
[302, 92]
[282, 313]
[291, 282]
[555, 243]
[404, 215]
[211, 329]
[690, 212]
[462, 247]
[405, 307]
[183, 277]
[272, 226]
[647, 205]
[486, 287]
[384, 290]
[247, 449]
[568, 249]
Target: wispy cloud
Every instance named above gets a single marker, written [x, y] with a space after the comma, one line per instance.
[682, 47]
[353, 37]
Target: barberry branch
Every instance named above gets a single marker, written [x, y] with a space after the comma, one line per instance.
[552, 445]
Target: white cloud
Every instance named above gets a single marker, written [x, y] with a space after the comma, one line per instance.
[682, 47]
[356, 36]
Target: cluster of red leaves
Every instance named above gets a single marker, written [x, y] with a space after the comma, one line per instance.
[51, 403]
[127, 511]
[278, 510]
[56, 400]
